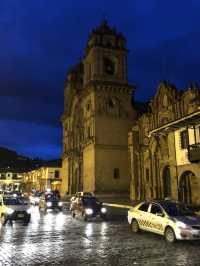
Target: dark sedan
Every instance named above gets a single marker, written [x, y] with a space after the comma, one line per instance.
[50, 201]
[88, 207]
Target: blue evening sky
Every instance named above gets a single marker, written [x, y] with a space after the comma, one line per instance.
[41, 39]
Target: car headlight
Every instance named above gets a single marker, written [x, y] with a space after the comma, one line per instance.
[60, 204]
[182, 225]
[9, 211]
[88, 211]
[49, 204]
[103, 210]
[29, 211]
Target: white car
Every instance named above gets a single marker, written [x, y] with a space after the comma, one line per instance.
[16, 210]
[170, 219]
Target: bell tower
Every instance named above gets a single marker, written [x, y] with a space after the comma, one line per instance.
[98, 116]
[106, 55]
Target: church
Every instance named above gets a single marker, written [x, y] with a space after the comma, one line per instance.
[98, 114]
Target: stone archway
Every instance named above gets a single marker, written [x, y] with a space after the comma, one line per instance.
[166, 182]
[185, 191]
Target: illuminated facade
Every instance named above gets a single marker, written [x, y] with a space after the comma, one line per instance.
[10, 179]
[164, 147]
[97, 117]
[43, 178]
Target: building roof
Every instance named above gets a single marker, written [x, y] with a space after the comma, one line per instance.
[105, 29]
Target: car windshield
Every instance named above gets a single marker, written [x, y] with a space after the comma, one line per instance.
[176, 209]
[37, 194]
[13, 201]
[51, 197]
[89, 201]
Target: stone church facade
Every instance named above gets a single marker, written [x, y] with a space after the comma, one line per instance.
[164, 147]
[97, 117]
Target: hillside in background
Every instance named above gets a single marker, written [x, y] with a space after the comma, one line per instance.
[11, 160]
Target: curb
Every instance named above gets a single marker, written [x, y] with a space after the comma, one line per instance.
[110, 205]
[118, 205]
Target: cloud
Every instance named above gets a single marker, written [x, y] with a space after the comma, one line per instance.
[40, 40]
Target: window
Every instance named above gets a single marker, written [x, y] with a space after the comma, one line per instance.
[88, 106]
[147, 174]
[111, 103]
[198, 137]
[116, 173]
[57, 174]
[144, 207]
[184, 139]
[88, 132]
[109, 67]
[3, 176]
[156, 209]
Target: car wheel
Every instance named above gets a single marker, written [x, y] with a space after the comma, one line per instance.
[104, 217]
[10, 222]
[3, 219]
[135, 226]
[84, 216]
[170, 235]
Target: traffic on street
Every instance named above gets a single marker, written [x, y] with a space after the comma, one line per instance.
[55, 237]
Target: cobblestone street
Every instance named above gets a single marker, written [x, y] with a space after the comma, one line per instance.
[58, 239]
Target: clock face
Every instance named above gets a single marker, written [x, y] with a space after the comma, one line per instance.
[109, 67]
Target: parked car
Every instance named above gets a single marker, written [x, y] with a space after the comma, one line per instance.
[170, 219]
[15, 209]
[87, 206]
[50, 201]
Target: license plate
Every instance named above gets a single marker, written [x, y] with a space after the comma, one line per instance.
[20, 215]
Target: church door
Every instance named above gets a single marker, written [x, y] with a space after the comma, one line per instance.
[185, 187]
[166, 182]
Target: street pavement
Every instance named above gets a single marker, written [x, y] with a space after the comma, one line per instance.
[58, 239]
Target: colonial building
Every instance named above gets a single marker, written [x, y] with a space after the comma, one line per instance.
[97, 117]
[44, 177]
[164, 147]
[10, 179]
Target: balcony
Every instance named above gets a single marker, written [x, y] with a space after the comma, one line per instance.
[194, 152]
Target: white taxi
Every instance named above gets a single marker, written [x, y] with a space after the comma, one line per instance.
[170, 219]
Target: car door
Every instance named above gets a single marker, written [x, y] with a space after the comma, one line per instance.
[1, 206]
[157, 218]
[143, 216]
